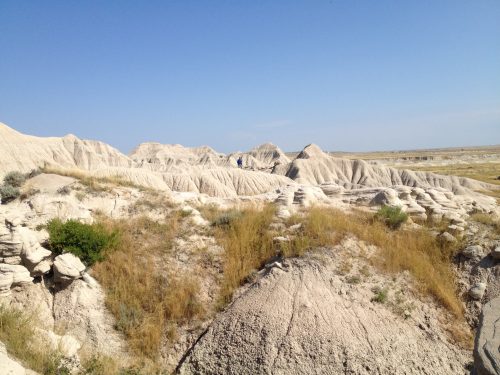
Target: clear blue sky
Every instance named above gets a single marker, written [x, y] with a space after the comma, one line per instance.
[347, 75]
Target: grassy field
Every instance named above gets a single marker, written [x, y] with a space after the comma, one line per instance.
[486, 172]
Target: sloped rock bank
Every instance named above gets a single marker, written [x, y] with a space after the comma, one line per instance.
[305, 319]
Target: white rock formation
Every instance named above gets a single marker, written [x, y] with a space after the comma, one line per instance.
[67, 268]
[23, 153]
[80, 307]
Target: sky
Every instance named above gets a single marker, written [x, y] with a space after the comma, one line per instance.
[347, 75]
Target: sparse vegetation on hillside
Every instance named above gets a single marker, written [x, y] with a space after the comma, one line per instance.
[147, 300]
[18, 333]
[9, 193]
[485, 172]
[10, 189]
[416, 251]
[86, 241]
[15, 179]
[487, 219]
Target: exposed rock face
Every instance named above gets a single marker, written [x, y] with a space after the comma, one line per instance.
[313, 166]
[67, 268]
[487, 344]
[80, 307]
[269, 155]
[23, 153]
[305, 319]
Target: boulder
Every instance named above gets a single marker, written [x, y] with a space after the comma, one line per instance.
[473, 252]
[495, 253]
[477, 291]
[67, 344]
[67, 268]
[487, 343]
[448, 237]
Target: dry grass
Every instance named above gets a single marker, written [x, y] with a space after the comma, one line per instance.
[18, 333]
[489, 220]
[93, 183]
[485, 172]
[416, 251]
[247, 244]
[146, 300]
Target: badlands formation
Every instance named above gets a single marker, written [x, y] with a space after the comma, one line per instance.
[293, 316]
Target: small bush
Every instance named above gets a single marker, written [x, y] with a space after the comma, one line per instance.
[15, 179]
[393, 217]
[86, 241]
[8, 193]
[380, 295]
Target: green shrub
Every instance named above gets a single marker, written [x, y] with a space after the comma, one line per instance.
[380, 295]
[86, 241]
[15, 179]
[393, 217]
[8, 193]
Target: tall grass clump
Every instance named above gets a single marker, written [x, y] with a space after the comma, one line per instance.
[147, 301]
[18, 333]
[86, 241]
[393, 217]
[247, 246]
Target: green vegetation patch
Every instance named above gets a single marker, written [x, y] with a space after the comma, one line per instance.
[393, 217]
[86, 241]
